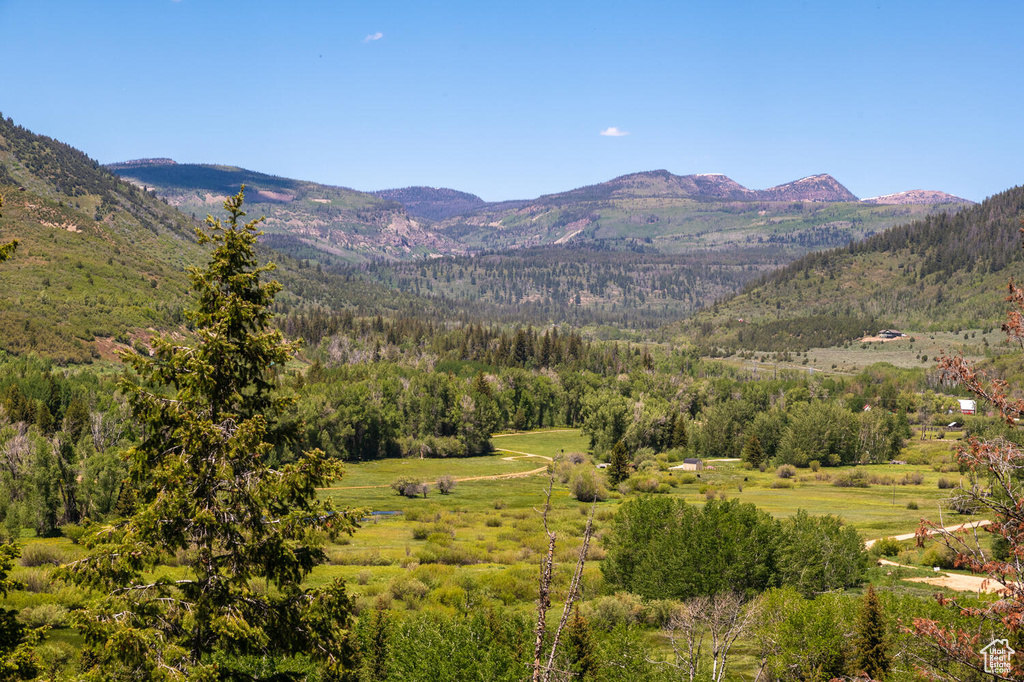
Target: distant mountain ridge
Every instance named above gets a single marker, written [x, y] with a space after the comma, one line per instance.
[101, 263]
[432, 203]
[141, 163]
[685, 213]
[917, 196]
[811, 188]
[302, 218]
[654, 210]
[946, 271]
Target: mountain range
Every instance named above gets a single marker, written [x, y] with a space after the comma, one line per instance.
[102, 261]
[665, 212]
[943, 272]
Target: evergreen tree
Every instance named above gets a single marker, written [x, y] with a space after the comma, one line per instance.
[579, 648]
[752, 451]
[373, 645]
[76, 419]
[618, 469]
[680, 439]
[872, 656]
[203, 487]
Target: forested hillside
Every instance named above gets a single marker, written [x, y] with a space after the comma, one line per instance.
[944, 272]
[101, 262]
[581, 285]
[684, 213]
[303, 218]
[432, 203]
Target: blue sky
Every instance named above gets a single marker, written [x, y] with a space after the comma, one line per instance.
[508, 100]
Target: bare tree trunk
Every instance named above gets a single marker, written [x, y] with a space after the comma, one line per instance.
[574, 589]
[541, 670]
[544, 596]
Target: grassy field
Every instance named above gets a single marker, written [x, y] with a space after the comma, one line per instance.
[493, 528]
[481, 545]
[918, 349]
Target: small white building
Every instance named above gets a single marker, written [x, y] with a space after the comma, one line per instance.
[968, 406]
[690, 464]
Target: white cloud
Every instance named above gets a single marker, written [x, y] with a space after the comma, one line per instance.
[614, 132]
[373, 36]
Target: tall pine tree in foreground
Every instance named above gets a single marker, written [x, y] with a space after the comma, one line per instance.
[246, 534]
[872, 651]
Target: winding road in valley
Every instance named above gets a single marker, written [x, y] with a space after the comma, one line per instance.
[493, 477]
[952, 581]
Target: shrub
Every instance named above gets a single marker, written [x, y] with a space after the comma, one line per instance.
[660, 611]
[886, 547]
[409, 487]
[363, 577]
[446, 484]
[575, 457]
[946, 484]
[44, 616]
[912, 478]
[607, 612]
[452, 596]
[853, 479]
[73, 532]
[36, 580]
[407, 588]
[917, 458]
[938, 555]
[585, 487]
[452, 556]
[499, 503]
[440, 539]
[644, 484]
[511, 586]
[911, 505]
[642, 456]
[420, 532]
[778, 484]
[675, 455]
[40, 554]
[492, 522]
[815, 465]
[786, 471]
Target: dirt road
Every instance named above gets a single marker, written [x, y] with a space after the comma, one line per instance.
[947, 529]
[492, 477]
[952, 581]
